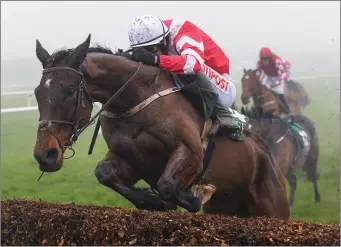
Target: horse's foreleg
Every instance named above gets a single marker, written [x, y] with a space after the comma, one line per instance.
[180, 173]
[117, 174]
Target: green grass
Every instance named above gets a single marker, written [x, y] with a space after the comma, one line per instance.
[76, 181]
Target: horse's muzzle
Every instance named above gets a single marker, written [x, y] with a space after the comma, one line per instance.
[48, 160]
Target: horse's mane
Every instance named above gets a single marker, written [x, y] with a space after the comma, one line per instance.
[62, 53]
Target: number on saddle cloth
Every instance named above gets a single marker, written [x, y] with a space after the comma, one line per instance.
[302, 139]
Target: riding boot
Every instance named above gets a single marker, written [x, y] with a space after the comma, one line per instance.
[223, 122]
[283, 104]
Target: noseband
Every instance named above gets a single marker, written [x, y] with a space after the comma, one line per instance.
[77, 119]
[257, 92]
[76, 131]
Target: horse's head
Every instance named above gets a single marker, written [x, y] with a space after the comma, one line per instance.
[63, 102]
[250, 81]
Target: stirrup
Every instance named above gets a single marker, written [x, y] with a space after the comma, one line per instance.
[222, 127]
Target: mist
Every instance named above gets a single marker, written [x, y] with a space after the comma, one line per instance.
[305, 33]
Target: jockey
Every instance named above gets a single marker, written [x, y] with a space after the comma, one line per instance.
[276, 72]
[181, 47]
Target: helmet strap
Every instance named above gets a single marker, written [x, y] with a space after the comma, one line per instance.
[163, 43]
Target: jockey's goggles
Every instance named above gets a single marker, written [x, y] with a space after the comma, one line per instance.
[266, 58]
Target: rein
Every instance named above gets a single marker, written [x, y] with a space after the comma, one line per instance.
[260, 96]
[45, 124]
[81, 87]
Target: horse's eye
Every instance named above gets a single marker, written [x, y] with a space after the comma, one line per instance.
[69, 92]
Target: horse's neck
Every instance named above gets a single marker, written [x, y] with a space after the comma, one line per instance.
[263, 95]
[277, 128]
[108, 73]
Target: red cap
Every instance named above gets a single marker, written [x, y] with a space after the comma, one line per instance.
[265, 52]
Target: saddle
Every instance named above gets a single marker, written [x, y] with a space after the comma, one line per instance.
[302, 140]
[205, 101]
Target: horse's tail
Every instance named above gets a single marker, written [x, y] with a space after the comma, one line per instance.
[311, 163]
[302, 96]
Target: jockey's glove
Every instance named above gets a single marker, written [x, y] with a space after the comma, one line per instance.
[146, 57]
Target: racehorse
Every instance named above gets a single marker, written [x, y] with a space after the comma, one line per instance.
[283, 136]
[264, 97]
[153, 133]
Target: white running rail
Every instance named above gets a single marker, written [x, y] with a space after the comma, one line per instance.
[32, 108]
[18, 93]
[19, 109]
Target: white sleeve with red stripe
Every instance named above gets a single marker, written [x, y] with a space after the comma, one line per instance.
[282, 74]
[188, 43]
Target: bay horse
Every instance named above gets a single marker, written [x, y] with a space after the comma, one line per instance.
[265, 97]
[158, 141]
[281, 138]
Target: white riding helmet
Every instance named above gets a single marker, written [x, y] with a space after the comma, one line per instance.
[146, 30]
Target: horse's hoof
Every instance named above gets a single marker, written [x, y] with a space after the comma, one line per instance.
[195, 205]
[204, 192]
[166, 190]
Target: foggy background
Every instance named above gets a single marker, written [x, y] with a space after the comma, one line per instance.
[305, 33]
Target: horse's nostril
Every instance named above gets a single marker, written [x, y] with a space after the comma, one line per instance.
[52, 154]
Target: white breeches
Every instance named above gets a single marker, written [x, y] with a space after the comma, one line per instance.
[269, 81]
[221, 85]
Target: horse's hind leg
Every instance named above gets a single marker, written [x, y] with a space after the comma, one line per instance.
[292, 180]
[313, 176]
[316, 192]
[311, 169]
[180, 174]
[117, 174]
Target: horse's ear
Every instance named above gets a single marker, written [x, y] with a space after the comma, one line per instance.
[76, 58]
[244, 70]
[42, 54]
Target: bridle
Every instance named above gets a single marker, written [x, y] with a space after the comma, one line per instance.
[75, 124]
[257, 92]
[76, 131]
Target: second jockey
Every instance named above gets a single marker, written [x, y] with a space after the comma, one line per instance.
[181, 47]
[277, 72]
